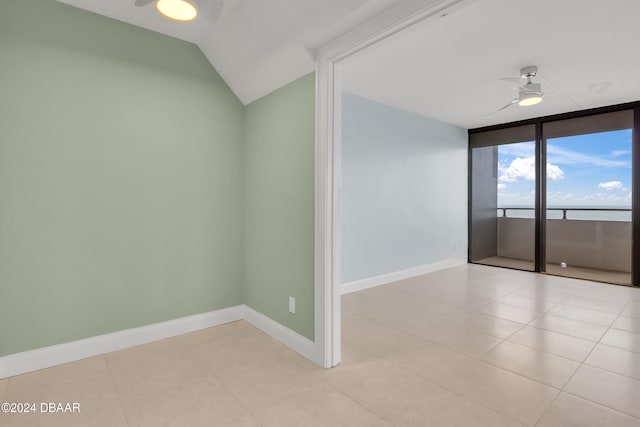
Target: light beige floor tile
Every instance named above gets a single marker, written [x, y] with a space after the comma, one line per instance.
[606, 388]
[543, 367]
[574, 328]
[629, 324]
[434, 363]
[607, 292]
[598, 304]
[318, 405]
[87, 382]
[544, 294]
[632, 309]
[538, 305]
[233, 350]
[351, 354]
[461, 340]
[466, 300]
[566, 284]
[3, 388]
[442, 408]
[379, 386]
[622, 339]
[582, 314]
[153, 368]
[228, 329]
[615, 360]
[262, 382]
[571, 411]
[195, 403]
[553, 342]
[489, 289]
[422, 289]
[363, 305]
[513, 395]
[486, 324]
[381, 311]
[509, 312]
[376, 339]
[402, 300]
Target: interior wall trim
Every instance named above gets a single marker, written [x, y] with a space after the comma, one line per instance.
[385, 279]
[296, 342]
[47, 357]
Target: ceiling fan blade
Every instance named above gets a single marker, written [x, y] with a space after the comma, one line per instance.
[214, 10]
[508, 105]
[139, 3]
[598, 87]
[511, 79]
[503, 108]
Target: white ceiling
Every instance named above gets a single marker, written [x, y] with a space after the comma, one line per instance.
[257, 46]
[448, 69]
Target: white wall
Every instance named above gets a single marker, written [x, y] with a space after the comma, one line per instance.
[404, 190]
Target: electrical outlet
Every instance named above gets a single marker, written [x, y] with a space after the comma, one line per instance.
[292, 305]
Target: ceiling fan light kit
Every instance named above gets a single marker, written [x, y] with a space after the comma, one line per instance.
[178, 10]
[529, 93]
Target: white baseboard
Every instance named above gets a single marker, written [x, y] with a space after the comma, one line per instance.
[286, 336]
[46, 357]
[359, 285]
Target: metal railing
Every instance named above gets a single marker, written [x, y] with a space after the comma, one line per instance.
[564, 210]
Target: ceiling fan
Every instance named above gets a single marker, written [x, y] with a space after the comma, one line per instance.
[529, 93]
[187, 10]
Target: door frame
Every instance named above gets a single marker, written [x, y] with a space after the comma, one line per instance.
[328, 173]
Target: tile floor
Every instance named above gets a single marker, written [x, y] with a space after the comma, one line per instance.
[467, 346]
[599, 275]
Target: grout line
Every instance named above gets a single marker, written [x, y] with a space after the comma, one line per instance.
[115, 386]
[358, 403]
[485, 406]
[600, 404]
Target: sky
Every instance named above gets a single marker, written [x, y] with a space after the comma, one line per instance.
[583, 170]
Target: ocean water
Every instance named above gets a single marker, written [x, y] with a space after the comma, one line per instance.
[573, 213]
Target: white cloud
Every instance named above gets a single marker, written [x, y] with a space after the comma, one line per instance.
[611, 185]
[501, 186]
[554, 172]
[526, 168]
[521, 149]
[618, 153]
[563, 156]
[520, 168]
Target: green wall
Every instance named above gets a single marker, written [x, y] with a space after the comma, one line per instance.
[279, 204]
[121, 178]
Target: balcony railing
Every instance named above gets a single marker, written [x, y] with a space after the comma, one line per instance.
[600, 240]
[502, 212]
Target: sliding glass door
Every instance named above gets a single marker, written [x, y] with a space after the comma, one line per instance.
[503, 177]
[556, 196]
[589, 194]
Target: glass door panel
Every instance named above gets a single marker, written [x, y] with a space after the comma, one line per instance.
[588, 183]
[502, 213]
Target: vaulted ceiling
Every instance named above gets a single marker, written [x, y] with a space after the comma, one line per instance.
[255, 45]
[447, 69]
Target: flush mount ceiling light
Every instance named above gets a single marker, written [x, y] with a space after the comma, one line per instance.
[187, 10]
[178, 10]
